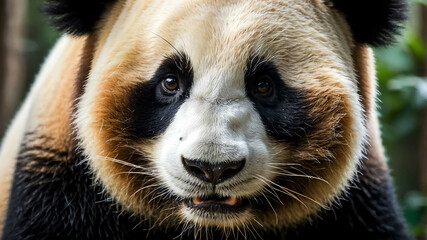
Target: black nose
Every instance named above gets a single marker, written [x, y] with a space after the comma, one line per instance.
[213, 173]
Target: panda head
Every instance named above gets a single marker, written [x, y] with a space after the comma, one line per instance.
[224, 113]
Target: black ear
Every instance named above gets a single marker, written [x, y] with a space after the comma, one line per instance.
[374, 22]
[76, 17]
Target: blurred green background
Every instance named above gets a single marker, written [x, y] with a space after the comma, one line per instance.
[402, 82]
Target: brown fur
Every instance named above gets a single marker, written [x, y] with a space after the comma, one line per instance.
[330, 143]
[376, 167]
[309, 42]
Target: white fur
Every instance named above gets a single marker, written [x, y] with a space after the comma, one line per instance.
[214, 130]
[218, 123]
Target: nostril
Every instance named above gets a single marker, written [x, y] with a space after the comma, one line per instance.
[197, 171]
[197, 168]
[228, 170]
[213, 173]
[228, 173]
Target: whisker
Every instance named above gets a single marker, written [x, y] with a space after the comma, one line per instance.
[137, 150]
[301, 175]
[284, 190]
[254, 233]
[121, 162]
[272, 208]
[266, 189]
[137, 173]
[295, 192]
[305, 196]
[168, 216]
[141, 189]
[170, 44]
[290, 174]
[284, 164]
[254, 219]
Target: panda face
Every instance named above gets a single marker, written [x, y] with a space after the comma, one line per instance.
[222, 113]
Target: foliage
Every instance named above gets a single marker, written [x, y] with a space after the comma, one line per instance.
[38, 39]
[404, 93]
[415, 212]
[403, 96]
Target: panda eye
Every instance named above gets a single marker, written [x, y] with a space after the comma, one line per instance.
[263, 85]
[170, 85]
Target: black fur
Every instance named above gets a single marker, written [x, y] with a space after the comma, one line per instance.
[368, 211]
[374, 22]
[76, 17]
[282, 109]
[54, 197]
[152, 111]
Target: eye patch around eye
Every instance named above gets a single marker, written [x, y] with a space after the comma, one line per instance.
[282, 108]
[152, 110]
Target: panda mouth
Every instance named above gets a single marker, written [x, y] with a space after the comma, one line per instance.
[215, 203]
[230, 201]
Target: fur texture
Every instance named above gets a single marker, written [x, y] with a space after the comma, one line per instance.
[374, 22]
[76, 17]
[105, 144]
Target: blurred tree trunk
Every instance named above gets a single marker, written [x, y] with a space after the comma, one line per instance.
[12, 16]
[2, 58]
[423, 135]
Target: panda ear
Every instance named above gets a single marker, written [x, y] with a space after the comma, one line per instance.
[76, 17]
[374, 22]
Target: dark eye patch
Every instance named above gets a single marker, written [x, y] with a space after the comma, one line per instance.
[282, 108]
[152, 110]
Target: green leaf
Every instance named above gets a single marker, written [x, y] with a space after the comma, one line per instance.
[419, 1]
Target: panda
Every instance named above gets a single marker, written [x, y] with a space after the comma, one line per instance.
[204, 119]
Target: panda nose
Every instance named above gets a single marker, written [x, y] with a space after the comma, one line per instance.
[213, 173]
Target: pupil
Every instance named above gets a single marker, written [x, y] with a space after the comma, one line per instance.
[171, 83]
[263, 86]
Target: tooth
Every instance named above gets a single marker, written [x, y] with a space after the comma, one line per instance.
[231, 200]
[197, 200]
